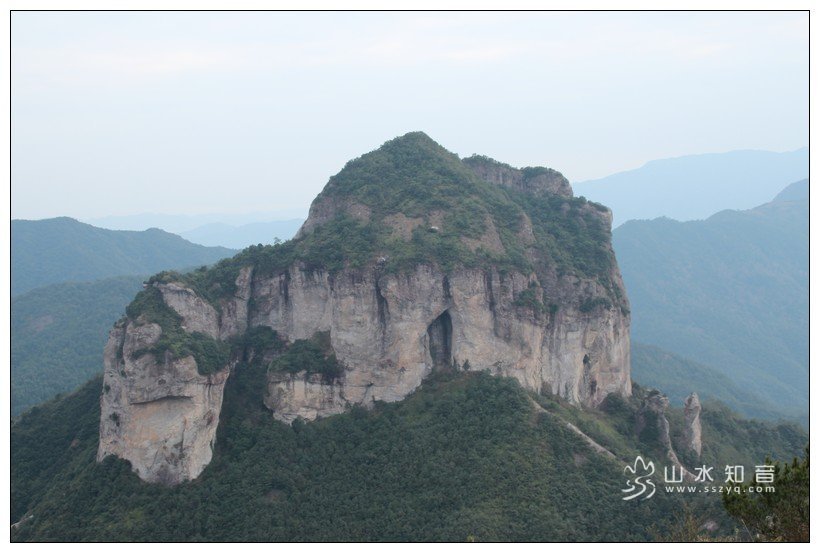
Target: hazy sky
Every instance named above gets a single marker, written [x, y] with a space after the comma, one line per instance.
[124, 113]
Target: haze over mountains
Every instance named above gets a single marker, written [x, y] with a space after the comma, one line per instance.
[672, 271]
[242, 236]
[682, 188]
[437, 319]
[214, 229]
[730, 292]
[696, 186]
[180, 223]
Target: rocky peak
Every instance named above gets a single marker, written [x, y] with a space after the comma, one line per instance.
[653, 414]
[411, 262]
[529, 180]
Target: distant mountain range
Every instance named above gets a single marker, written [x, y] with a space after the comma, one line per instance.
[729, 292]
[242, 236]
[719, 306]
[63, 250]
[180, 224]
[677, 377]
[696, 186]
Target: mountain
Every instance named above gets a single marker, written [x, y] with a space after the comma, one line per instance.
[466, 457]
[58, 333]
[63, 250]
[795, 192]
[441, 353]
[696, 186]
[179, 224]
[231, 236]
[730, 292]
[678, 377]
[412, 261]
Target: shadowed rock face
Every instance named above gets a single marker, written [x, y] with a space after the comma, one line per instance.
[550, 329]
[440, 342]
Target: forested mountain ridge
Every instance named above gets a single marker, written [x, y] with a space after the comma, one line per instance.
[467, 457]
[448, 342]
[58, 333]
[730, 292]
[62, 249]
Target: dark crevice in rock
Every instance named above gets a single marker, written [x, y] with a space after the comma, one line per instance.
[383, 314]
[249, 300]
[440, 339]
[284, 290]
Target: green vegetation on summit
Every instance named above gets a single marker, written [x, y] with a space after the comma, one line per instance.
[412, 202]
[210, 354]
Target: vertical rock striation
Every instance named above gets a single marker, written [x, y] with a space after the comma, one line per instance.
[692, 430]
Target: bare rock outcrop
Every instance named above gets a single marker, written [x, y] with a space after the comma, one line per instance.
[385, 328]
[653, 412]
[157, 412]
[529, 180]
[692, 429]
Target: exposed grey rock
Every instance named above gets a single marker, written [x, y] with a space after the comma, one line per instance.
[197, 314]
[234, 313]
[390, 331]
[653, 412]
[159, 414]
[529, 180]
[692, 429]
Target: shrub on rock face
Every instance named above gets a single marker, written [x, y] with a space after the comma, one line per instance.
[314, 356]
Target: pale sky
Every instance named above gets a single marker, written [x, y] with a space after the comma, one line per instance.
[188, 113]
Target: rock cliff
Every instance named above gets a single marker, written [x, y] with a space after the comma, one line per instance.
[411, 261]
[157, 412]
[652, 417]
[692, 428]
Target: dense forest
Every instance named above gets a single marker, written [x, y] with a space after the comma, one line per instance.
[58, 333]
[731, 293]
[678, 377]
[466, 457]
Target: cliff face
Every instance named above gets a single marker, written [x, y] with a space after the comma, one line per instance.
[419, 288]
[157, 412]
[531, 180]
[394, 330]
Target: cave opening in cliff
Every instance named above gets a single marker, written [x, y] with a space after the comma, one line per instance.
[440, 339]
